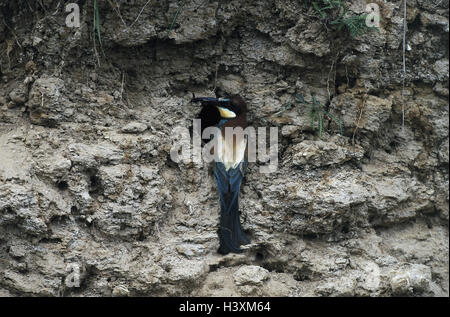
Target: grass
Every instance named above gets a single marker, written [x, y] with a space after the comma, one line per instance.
[317, 113]
[335, 13]
[97, 22]
[176, 16]
[355, 24]
[96, 30]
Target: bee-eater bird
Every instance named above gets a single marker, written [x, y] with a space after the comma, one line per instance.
[229, 165]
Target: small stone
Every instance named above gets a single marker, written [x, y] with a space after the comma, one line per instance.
[19, 95]
[400, 284]
[441, 68]
[190, 250]
[188, 272]
[36, 40]
[17, 251]
[341, 261]
[117, 94]
[415, 278]
[30, 67]
[444, 152]
[28, 80]
[250, 275]
[104, 99]
[11, 105]
[288, 130]
[134, 127]
[440, 89]
[120, 290]
[94, 76]
[4, 292]
[21, 267]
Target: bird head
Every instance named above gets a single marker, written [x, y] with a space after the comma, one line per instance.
[228, 108]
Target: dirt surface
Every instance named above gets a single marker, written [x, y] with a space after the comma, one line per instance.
[87, 184]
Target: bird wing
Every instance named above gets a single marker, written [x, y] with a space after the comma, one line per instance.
[231, 235]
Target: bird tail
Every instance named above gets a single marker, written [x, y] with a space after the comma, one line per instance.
[231, 235]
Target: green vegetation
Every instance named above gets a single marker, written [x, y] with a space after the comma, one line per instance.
[96, 31]
[97, 22]
[317, 113]
[335, 13]
[176, 16]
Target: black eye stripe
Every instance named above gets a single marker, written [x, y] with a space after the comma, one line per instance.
[225, 103]
[228, 106]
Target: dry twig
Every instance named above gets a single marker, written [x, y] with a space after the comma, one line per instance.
[404, 64]
[137, 18]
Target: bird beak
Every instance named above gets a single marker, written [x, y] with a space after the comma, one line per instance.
[210, 101]
[225, 113]
[205, 100]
